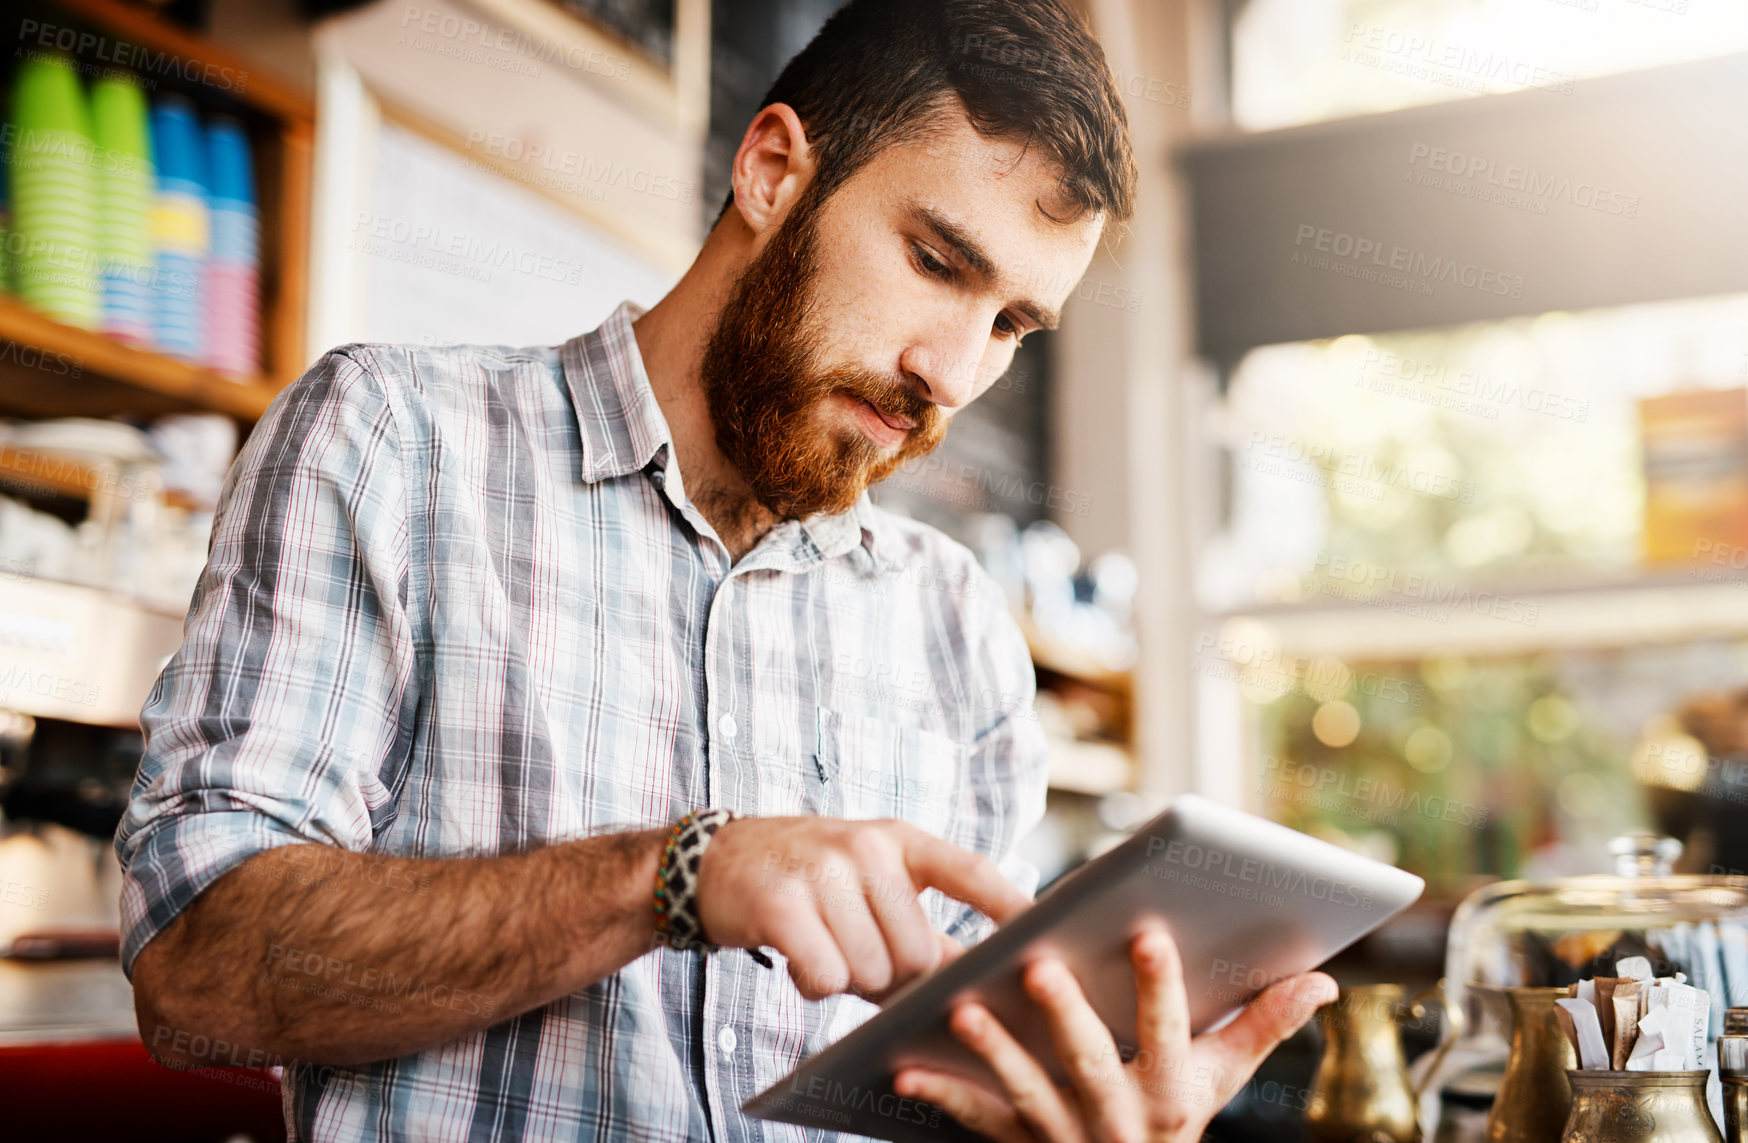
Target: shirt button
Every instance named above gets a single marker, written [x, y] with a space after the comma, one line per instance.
[725, 1040]
[727, 726]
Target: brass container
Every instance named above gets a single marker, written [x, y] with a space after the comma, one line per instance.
[1733, 1072]
[1735, 1105]
[1635, 1107]
[1534, 1098]
[1361, 1093]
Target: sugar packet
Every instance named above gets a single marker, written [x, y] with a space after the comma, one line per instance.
[1625, 1003]
[1603, 998]
[1687, 1013]
[1633, 968]
[1592, 1052]
[1650, 1045]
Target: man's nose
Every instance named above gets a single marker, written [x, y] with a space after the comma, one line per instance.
[947, 364]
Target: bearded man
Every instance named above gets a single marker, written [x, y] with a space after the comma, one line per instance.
[563, 746]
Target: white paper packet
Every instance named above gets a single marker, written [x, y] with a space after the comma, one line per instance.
[1686, 1015]
[1633, 968]
[1650, 1042]
[1592, 1052]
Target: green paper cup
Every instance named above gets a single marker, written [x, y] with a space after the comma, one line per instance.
[54, 193]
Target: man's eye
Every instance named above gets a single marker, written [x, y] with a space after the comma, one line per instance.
[1005, 326]
[932, 265]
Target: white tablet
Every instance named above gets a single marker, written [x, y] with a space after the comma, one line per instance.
[1247, 900]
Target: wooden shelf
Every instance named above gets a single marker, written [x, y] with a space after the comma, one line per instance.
[76, 372]
[1070, 663]
[41, 474]
[257, 89]
[27, 472]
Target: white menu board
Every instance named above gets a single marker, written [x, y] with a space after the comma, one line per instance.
[452, 252]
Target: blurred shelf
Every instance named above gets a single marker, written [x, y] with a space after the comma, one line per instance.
[38, 473]
[1070, 662]
[28, 472]
[79, 653]
[1090, 767]
[252, 87]
[1655, 606]
[78, 372]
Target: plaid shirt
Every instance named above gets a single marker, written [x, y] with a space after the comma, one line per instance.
[458, 603]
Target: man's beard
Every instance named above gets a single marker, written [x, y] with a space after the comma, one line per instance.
[766, 392]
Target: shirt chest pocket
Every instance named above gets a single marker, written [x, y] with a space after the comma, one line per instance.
[881, 769]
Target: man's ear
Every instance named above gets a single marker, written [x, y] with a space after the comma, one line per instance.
[772, 167]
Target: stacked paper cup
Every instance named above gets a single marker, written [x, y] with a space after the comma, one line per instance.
[181, 233]
[54, 193]
[126, 188]
[233, 266]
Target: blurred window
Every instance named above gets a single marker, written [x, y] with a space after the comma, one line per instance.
[1299, 61]
[1487, 452]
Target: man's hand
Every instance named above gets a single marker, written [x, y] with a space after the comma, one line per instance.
[839, 899]
[1166, 1094]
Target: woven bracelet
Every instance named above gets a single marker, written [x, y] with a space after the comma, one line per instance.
[676, 883]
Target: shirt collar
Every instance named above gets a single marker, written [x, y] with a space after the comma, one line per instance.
[618, 418]
[838, 535]
[863, 537]
[876, 533]
[622, 429]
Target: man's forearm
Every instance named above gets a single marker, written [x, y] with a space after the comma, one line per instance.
[314, 953]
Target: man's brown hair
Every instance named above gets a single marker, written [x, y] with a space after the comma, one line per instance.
[882, 72]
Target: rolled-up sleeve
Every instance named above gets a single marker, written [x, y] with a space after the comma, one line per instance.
[289, 709]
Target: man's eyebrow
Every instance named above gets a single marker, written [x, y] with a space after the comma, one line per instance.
[967, 250]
